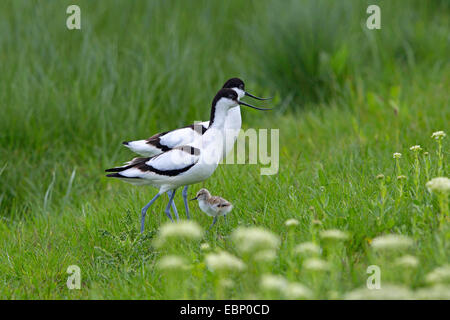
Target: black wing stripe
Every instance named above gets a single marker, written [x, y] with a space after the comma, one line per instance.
[134, 162]
[170, 173]
[156, 142]
[118, 175]
[146, 167]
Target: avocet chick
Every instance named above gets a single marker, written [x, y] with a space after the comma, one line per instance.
[213, 206]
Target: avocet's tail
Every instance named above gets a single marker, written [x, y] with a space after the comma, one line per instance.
[128, 165]
[142, 147]
[129, 172]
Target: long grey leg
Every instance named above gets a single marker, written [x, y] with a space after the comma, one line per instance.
[214, 222]
[167, 211]
[186, 206]
[144, 211]
[174, 207]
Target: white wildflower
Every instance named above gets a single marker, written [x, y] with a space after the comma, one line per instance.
[272, 282]
[224, 261]
[391, 241]
[415, 148]
[253, 239]
[187, 230]
[407, 261]
[296, 290]
[387, 292]
[315, 264]
[436, 292]
[397, 155]
[307, 248]
[291, 222]
[401, 177]
[265, 255]
[439, 184]
[439, 275]
[204, 246]
[171, 262]
[333, 234]
[438, 135]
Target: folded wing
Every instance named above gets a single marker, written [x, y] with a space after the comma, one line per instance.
[168, 164]
[168, 140]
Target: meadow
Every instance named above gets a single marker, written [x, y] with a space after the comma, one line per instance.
[350, 191]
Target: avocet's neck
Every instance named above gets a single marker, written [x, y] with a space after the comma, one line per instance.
[234, 119]
[218, 115]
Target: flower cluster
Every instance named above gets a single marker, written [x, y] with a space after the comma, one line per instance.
[439, 185]
[439, 275]
[265, 255]
[315, 264]
[391, 242]
[224, 261]
[296, 290]
[171, 262]
[254, 239]
[272, 282]
[277, 283]
[185, 230]
[416, 148]
[386, 292]
[291, 222]
[438, 135]
[407, 261]
[307, 248]
[333, 234]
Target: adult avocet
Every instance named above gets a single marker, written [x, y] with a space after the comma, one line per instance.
[183, 165]
[168, 140]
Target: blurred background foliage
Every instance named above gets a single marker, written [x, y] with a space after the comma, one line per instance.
[140, 67]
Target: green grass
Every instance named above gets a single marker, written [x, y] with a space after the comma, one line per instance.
[347, 98]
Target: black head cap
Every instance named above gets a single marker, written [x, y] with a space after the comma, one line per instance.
[234, 83]
[225, 93]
